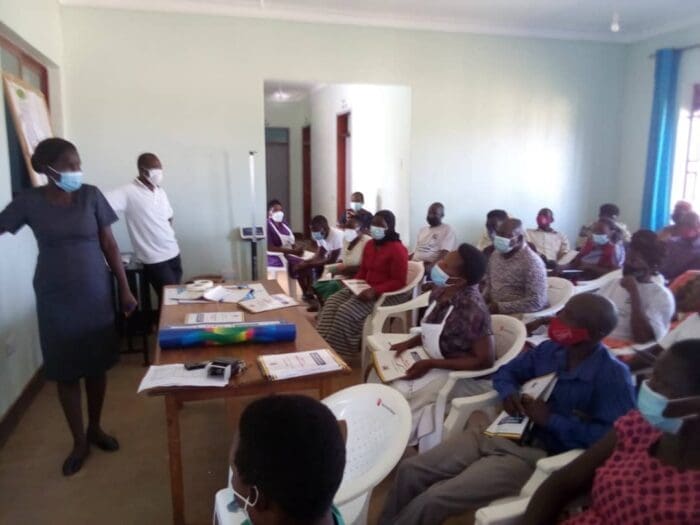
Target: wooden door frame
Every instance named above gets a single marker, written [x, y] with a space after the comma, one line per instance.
[343, 131]
[306, 187]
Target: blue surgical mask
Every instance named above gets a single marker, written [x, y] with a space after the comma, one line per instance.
[438, 276]
[502, 244]
[70, 181]
[651, 405]
[600, 238]
[317, 236]
[355, 206]
[377, 232]
[234, 506]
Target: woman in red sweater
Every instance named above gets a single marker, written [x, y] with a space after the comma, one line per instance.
[384, 267]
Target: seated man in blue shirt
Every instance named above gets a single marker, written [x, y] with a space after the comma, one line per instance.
[593, 389]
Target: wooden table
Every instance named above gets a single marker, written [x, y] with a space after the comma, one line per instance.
[250, 383]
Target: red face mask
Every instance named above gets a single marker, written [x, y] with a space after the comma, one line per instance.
[566, 335]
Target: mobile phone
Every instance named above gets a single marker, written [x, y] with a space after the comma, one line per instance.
[195, 366]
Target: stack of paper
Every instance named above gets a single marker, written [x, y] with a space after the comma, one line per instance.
[265, 303]
[176, 375]
[214, 318]
[298, 364]
[513, 427]
[356, 286]
[390, 367]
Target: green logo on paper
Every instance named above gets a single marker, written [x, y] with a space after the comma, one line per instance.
[21, 93]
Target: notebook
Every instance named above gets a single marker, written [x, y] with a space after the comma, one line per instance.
[298, 364]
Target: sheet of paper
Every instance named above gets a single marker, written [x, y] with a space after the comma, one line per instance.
[268, 302]
[297, 364]
[356, 286]
[214, 318]
[390, 367]
[176, 375]
[177, 295]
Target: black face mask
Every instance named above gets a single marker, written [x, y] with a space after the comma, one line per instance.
[433, 221]
[637, 273]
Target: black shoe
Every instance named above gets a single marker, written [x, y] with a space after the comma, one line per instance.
[74, 462]
[103, 441]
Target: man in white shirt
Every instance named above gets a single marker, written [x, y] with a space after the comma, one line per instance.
[149, 216]
[435, 240]
[329, 242]
[645, 308]
[549, 243]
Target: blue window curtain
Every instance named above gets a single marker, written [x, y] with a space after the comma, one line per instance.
[662, 141]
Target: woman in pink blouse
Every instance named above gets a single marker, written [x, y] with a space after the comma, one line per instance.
[647, 469]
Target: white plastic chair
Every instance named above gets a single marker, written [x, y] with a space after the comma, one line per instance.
[274, 271]
[597, 284]
[509, 511]
[378, 421]
[509, 334]
[559, 291]
[413, 279]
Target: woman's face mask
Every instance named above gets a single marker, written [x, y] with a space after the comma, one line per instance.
[317, 236]
[277, 216]
[601, 238]
[652, 404]
[439, 276]
[68, 181]
[355, 206]
[350, 235]
[377, 232]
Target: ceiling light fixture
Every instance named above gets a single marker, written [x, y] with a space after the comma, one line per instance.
[615, 24]
[280, 95]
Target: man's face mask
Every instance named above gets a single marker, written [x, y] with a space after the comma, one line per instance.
[652, 404]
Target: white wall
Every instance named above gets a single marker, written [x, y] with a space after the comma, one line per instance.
[636, 115]
[293, 115]
[380, 125]
[20, 354]
[495, 122]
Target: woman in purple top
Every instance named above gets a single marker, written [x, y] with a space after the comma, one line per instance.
[280, 237]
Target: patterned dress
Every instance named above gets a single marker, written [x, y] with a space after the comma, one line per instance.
[634, 488]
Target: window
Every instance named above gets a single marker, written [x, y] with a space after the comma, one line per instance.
[16, 62]
[690, 189]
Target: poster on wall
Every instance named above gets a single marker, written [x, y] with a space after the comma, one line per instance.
[30, 114]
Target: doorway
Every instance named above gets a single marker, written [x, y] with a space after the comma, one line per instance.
[344, 154]
[306, 175]
[277, 165]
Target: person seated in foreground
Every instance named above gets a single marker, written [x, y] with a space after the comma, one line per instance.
[674, 231]
[329, 242]
[516, 278]
[385, 268]
[683, 250]
[293, 480]
[356, 210]
[494, 218]
[609, 212]
[549, 243]
[280, 237]
[647, 468]
[602, 253]
[355, 237]
[471, 470]
[435, 240]
[644, 307]
[456, 334]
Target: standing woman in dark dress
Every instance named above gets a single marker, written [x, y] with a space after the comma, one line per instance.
[71, 222]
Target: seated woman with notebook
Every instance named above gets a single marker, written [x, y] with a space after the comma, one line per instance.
[603, 252]
[355, 237]
[384, 267]
[455, 334]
